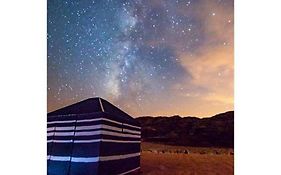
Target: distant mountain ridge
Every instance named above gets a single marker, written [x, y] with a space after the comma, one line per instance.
[216, 131]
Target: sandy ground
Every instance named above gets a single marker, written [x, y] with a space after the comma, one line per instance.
[211, 161]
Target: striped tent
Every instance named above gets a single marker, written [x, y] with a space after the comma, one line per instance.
[92, 137]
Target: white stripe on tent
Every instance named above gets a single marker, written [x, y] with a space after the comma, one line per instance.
[88, 141]
[60, 141]
[131, 131]
[58, 121]
[132, 126]
[50, 128]
[89, 133]
[130, 171]
[85, 159]
[92, 141]
[120, 134]
[101, 105]
[92, 133]
[65, 128]
[100, 126]
[88, 127]
[98, 119]
[60, 158]
[93, 159]
[90, 120]
[60, 133]
[118, 157]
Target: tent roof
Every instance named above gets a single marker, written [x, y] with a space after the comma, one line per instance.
[93, 105]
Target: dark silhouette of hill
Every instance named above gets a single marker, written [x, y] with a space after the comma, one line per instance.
[216, 131]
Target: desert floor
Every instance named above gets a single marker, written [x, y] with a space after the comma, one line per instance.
[175, 160]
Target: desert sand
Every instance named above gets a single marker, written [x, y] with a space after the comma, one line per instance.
[161, 159]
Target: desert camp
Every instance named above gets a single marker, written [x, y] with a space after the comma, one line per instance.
[92, 137]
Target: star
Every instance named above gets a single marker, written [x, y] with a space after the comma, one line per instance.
[136, 53]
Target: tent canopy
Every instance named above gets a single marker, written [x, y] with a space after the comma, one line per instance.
[92, 137]
[95, 105]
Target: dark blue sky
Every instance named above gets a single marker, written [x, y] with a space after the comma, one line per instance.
[149, 57]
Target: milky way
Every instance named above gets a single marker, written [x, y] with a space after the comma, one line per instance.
[145, 56]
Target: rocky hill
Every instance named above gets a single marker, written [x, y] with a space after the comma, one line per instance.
[217, 131]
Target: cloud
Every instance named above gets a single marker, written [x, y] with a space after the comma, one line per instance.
[206, 87]
[216, 20]
[211, 66]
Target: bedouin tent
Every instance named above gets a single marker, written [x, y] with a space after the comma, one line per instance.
[92, 137]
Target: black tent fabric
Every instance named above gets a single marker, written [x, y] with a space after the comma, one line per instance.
[92, 137]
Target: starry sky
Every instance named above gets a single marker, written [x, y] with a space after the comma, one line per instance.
[149, 57]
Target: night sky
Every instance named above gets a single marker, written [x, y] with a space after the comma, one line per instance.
[149, 57]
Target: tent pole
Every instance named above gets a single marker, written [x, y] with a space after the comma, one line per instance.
[52, 145]
[72, 145]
